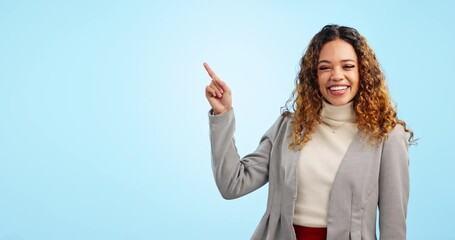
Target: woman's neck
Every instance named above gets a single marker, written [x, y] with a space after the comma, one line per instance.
[341, 113]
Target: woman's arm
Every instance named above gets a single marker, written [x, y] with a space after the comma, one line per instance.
[235, 176]
[394, 186]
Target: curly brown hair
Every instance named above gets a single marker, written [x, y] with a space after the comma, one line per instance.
[376, 116]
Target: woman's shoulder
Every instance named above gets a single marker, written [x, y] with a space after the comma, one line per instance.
[285, 118]
[396, 135]
[397, 131]
[281, 123]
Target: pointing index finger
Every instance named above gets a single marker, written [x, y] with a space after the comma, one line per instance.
[212, 74]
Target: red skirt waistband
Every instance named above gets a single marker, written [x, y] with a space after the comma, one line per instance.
[310, 233]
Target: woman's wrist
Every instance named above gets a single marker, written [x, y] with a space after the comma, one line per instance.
[225, 110]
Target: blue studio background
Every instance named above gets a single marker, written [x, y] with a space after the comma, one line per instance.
[103, 119]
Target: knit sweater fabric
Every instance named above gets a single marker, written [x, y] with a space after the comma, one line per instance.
[319, 161]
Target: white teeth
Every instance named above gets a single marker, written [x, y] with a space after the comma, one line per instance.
[338, 88]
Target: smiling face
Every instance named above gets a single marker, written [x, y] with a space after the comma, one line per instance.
[338, 72]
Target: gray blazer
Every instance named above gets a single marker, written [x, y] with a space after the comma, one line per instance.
[368, 178]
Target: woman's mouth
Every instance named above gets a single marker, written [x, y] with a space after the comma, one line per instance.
[338, 90]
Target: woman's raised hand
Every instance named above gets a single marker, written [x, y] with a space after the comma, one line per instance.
[218, 93]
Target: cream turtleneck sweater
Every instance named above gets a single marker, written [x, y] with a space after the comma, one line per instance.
[319, 161]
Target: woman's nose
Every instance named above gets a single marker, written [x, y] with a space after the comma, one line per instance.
[337, 75]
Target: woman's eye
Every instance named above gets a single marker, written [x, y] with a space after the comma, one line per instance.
[349, 66]
[322, 68]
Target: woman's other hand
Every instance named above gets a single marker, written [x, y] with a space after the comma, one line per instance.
[218, 93]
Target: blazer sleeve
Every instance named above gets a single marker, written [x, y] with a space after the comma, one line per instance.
[235, 176]
[394, 186]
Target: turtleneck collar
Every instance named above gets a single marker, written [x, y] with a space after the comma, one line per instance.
[342, 113]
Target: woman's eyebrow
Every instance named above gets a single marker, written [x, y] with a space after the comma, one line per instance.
[323, 61]
[344, 60]
[347, 60]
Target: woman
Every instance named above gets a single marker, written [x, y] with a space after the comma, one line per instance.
[333, 157]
